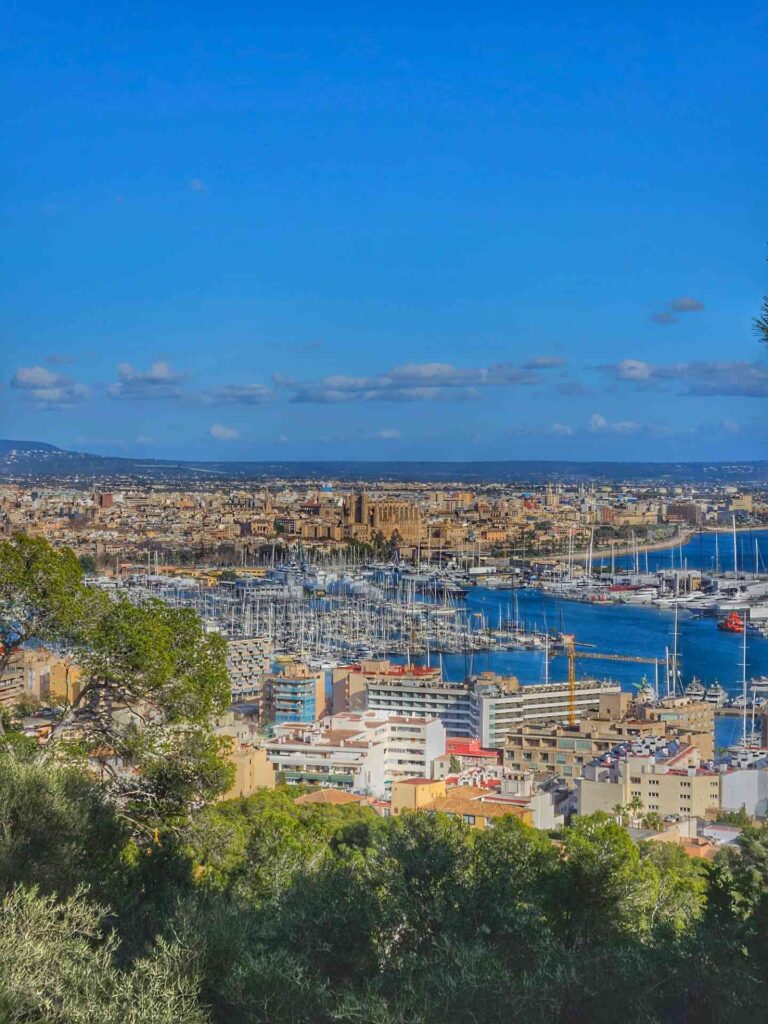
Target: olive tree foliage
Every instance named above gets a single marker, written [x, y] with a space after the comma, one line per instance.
[59, 966]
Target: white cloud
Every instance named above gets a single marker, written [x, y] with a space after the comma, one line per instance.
[412, 382]
[633, 369]
[32, 377]
[41, 385]
[159, 381]
[198, 185]
[748, 379]
[600, 425]
[222, 433]
[684, 304]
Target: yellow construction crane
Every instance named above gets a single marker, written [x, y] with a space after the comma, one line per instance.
[569, 642]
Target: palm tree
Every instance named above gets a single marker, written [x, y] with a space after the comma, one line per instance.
[635, 806]
[653, 820]
[619, 812]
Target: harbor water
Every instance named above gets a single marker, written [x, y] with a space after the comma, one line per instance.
[643, 630]
[706, 551]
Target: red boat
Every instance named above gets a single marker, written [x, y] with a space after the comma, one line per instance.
[732, 623]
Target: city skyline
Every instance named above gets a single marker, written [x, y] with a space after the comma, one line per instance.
[496, 236]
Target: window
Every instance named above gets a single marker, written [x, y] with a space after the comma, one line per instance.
[468, 819]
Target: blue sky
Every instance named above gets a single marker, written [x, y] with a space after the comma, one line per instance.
[372, 231]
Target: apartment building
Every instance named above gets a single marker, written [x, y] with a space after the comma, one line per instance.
[564, 749]
[744, 782]
[667, 778]
[363, 751]
[37, 674]
[247, 663]
[501, 704]
[12, 683]
[295, 694]
[485, 708]
[692, 718]
[253, 769]
[451, 703]
[350, 683]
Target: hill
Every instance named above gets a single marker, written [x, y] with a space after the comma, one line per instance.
[31, 460]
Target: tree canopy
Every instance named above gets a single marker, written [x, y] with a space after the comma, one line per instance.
[130, 893]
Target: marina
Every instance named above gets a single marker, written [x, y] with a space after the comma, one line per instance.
[329, 617]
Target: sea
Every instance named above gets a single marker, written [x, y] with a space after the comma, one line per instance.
[644, 630]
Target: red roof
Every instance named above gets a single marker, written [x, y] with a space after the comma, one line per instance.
[469, 748]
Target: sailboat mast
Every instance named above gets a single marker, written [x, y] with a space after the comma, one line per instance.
[744, 683]
[735, 550]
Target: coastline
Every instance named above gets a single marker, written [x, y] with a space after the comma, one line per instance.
[625, 548]
[621, 550]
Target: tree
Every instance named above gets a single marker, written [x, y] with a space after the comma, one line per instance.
[88, 564]
[152, 682]
[601, 886]
[42, 596]
[57, 829]
[677, 887]
[59, 966]
[761, 322]
[428, 858]
[740, 817]
[634, 808]
[513, 866]
[653, 820]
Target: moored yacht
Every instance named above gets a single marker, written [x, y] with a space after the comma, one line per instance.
[716, 695]
[695, 690]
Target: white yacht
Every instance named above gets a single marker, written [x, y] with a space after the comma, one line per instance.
[716, 695]
[695, 690]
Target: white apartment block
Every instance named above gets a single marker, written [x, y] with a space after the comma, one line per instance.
[499, 710]
[361, 751]
[450, 702]
[487, 708]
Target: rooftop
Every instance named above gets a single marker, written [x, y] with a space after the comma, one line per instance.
[336, 797]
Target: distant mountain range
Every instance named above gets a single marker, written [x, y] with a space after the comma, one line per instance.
[31, 460]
